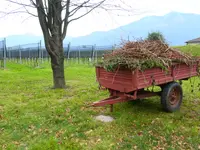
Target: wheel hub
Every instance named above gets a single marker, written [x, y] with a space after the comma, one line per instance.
[174, 96]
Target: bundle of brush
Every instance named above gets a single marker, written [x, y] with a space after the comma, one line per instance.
[144, 54]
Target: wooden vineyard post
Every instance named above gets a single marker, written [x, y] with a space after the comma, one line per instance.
[20, 55]
[41, 51]
[68, 52]
[38, 60]
[92, 55]
[96, 54]
[79, 53]
[4, 53]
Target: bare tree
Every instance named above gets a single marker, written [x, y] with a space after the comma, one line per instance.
[54, 17]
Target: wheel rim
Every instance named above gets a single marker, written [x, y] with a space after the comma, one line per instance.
[174, 96]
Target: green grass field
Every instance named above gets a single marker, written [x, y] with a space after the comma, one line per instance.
[193, 49]
[33, 116]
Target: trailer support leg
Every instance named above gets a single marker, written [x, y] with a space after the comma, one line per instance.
[111, 108]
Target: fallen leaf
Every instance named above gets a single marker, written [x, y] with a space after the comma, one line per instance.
[16, 143]
[98, 140]
[140, 133]
[88, 132]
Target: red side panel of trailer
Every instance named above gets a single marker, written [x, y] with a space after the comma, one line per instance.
[126, 81]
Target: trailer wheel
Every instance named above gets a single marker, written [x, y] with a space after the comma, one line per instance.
[171, 97]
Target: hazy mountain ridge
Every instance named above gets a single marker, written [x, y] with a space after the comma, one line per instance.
[176, 27]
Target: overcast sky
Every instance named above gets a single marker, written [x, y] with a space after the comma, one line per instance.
[18, 24]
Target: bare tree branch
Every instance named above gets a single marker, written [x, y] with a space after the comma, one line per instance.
[66, 22]
[73, 11]
[29, 12]
[94, 7]
[18, 10]
[21, 4]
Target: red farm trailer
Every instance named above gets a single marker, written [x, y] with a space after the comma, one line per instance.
[126, 85]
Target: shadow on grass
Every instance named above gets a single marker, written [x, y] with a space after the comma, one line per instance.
[151, 105]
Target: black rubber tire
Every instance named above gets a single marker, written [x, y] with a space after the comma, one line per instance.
[169, 102]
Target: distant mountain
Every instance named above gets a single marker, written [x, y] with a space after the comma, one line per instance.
[28, 39]
[176, 27]
[15, 40]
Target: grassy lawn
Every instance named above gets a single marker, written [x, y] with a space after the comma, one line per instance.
[33, 116]
[194, 49]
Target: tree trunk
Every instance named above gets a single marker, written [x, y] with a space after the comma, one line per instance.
[57, 63]
[51, 22]
[58, 72]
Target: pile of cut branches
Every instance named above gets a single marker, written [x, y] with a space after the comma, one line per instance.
[144, 54]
